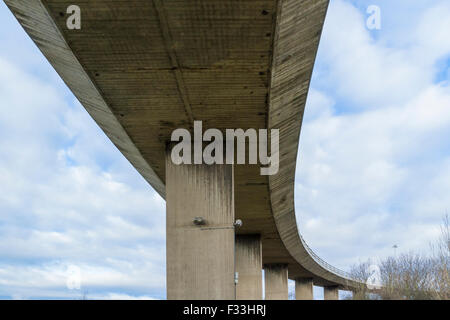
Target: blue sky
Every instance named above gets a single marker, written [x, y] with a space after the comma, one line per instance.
[373, 167]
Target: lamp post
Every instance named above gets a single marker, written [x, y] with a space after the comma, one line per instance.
[395, 249]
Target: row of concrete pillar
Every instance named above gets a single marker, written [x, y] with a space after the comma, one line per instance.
[249, 275]
[205, 257]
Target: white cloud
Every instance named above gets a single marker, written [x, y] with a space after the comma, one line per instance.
[68, 197]
[373, 168]
[371, 73]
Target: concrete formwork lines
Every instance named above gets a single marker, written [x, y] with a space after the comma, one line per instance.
[170, 47]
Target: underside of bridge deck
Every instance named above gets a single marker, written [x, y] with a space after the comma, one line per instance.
[145, 68]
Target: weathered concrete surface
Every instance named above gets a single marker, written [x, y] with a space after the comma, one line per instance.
[200, 258]
[296, 39]
[143, 68]
[304, 289]
[331, 293]
[249, 267]
[276, 282]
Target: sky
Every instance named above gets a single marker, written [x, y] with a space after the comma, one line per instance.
[373, 169]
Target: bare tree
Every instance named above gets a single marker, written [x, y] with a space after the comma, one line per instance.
[410, 276]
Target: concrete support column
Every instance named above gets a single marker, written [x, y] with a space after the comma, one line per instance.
[304, 289]
[249, 267]
[331, 293]
[200, 257]
[276, 281]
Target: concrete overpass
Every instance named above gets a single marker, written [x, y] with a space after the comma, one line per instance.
[143, 68]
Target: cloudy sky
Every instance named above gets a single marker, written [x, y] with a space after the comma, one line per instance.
[373, 167]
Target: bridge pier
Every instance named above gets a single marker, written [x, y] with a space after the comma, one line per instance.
[200, 253]
[276, 282]
[249, 267]
[331, 293]
[304, 289]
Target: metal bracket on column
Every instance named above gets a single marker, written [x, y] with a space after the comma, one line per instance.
[238, 223]
[199, 221]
